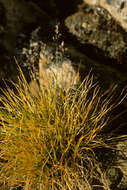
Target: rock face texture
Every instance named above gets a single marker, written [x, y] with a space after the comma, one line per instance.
[58, 71]
[115, 165]
[117, 8]
[95, 38]
[98, 36]
[95, 26]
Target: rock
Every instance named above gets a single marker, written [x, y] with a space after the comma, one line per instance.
[106, 75]
[52, 59]
[114, 163]
[117, 8]
[122, 163]
[55, 69]
[49, 61]
[114, 176]
[101, 36]
[34, 88]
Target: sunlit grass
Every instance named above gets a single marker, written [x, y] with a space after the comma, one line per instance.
[47, 142]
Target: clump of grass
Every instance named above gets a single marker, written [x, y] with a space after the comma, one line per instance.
[47, 142]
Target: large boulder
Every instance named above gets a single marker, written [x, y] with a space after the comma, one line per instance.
[117, 8]
[101, 36]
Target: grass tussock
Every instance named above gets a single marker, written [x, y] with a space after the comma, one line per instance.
[47, 142]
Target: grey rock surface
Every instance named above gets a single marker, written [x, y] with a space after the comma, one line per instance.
[116, 168]
[95, 26]
[117, 8]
